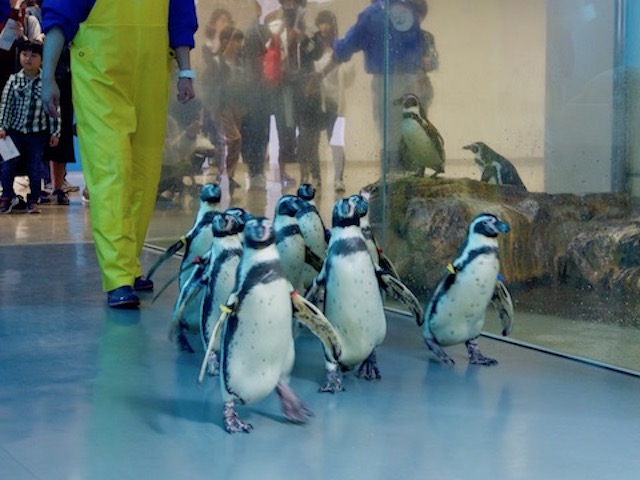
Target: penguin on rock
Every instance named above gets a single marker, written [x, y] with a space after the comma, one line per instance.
[421, 146]
[255, 331]
[352, 299]
[456, 312]
[495, 168]
[316, 235]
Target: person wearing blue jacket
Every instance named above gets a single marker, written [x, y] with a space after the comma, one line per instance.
[122, 55]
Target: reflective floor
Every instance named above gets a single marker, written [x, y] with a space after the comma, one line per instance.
[92, 393]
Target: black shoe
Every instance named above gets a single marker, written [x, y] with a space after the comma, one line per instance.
[122, 297]
[142, 284]
[61, 197]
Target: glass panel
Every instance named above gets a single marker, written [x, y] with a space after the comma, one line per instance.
[549, 85]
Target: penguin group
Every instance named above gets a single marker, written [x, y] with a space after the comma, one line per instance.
[252, 286]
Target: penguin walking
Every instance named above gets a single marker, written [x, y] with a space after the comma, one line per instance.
[456, 312]
[314, 232]
[289, 240]
[210, 196]
[256, 331]
[421, 146]
[226, 252]
[352, 298]
[376, 251]
[494, 167]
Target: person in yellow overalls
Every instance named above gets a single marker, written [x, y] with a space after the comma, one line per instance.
[121, 54]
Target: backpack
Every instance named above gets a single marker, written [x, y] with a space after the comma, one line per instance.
[272, 62]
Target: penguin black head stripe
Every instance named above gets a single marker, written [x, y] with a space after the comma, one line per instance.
[345, 212]
[488, 225]
[288, 205]
[241, 215]
[258, 233]
[307, 191]
[211, 193]
[410, 100]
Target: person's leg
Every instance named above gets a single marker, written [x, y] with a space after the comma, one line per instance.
[33, 152]
[58, 171]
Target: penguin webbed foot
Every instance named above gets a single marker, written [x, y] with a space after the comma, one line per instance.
[232, 422]
[333, 383]
[438, 351]
[292, 407]
[475, 355]
[369, 368]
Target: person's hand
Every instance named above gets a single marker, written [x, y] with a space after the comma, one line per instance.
[51, 97]
[185, 90]
[3, 133]
[54, 141]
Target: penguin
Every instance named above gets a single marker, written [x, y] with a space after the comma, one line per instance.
[352, 298]
[494, 167]
[226, 252]
[210, 196]
[456, 311]
[376, 251]
[421, 145]
[210, 283]
[256, 331]
[314, 232]
[289, 240]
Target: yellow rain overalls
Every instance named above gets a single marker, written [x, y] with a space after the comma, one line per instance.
[120, 64]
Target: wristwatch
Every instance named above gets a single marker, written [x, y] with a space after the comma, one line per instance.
[187, 74]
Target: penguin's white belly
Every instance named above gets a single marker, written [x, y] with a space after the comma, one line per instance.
[291, 253]
[420, 146]
[461, 311]
[353, 305]
[224, 284]
[260, 351]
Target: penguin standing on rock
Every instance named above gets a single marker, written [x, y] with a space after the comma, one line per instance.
[456, 312]
[256, 331]
[494, 167]
[421, 146]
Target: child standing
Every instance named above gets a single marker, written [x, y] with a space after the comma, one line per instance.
[23, 118]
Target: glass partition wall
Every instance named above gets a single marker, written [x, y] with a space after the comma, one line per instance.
[549, 86]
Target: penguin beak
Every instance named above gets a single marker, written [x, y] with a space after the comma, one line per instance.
[502, 227]
[467, 147]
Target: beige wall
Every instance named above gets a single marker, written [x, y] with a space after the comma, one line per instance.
[491, 82]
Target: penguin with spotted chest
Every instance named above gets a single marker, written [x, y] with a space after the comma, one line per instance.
[256, 331]
[456, 312]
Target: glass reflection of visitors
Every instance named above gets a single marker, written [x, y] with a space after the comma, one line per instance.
[255, 124]
[227, 83]
[295, 101]
[407, 49]
[332, 88]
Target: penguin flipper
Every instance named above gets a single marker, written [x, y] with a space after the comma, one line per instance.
[400, 292]
[387, 264]
[168, 253]
[216, 332]
[501, 300]
[312, 259]
[309, 315]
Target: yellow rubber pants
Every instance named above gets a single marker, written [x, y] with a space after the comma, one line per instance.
[120, 65]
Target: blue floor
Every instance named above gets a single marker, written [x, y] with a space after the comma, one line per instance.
[89, 393]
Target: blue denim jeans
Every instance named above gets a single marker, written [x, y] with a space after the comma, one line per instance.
[31, 147]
